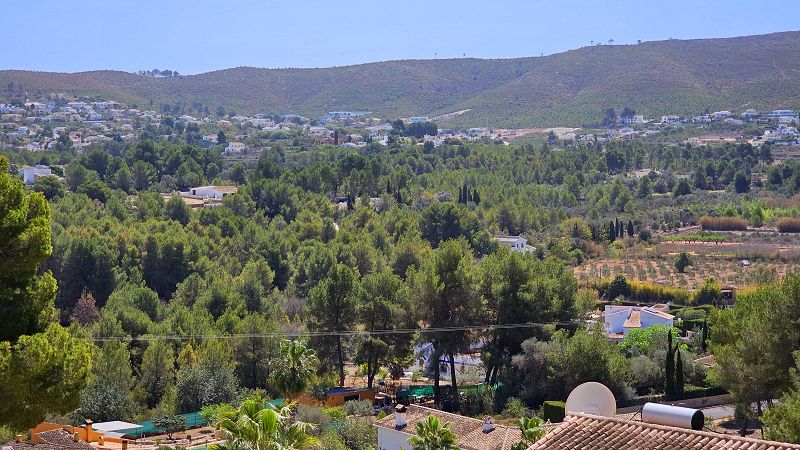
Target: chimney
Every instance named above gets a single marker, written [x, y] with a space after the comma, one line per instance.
[488, 424]
[400, 415]
[88, 426]
[75, 436]
[124, 444]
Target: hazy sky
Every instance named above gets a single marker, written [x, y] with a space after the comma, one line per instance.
[201, 35]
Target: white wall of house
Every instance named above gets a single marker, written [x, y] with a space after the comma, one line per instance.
[392, 439]
[29, 173]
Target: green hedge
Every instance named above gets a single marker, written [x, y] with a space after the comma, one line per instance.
[553, 411]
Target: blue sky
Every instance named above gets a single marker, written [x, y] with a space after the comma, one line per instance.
[201, 35]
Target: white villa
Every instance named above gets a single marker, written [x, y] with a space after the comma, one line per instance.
[30, 173]
[619, 319]
[517, 243]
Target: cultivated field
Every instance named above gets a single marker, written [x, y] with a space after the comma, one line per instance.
[764, 253]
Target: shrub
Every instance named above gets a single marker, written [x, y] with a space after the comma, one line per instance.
[515, 409]
[336, 412]
[361, 408]
[313, 414]
[723, 223]
[645, 292]
[553, 411]
[788, 225]
[478, 403]
[708, 293]
[357, 433]
[682, 261]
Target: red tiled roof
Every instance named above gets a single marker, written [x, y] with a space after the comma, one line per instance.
[58, 439]
[588, 432]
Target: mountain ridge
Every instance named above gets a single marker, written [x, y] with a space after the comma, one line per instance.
[570, 88]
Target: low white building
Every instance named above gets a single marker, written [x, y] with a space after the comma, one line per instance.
[619, 319]
[235, 147]
[721, 115]
[670, 119]
[632, 120]
[30, 173]
[212, 192]
[516, 243]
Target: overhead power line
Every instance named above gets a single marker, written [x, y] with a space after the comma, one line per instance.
[343, 333]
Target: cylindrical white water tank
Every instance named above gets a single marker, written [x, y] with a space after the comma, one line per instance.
[673, 416]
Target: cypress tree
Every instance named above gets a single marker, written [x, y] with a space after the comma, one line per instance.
[678, 374]
[475, 197]
[388, 187]
[612, 232]
[630, 228]
[669, 369]
[399, 197]
[704, 343]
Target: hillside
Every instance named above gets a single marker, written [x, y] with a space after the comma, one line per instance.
[570, 88]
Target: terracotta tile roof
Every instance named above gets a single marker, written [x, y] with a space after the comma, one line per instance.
[588, 432]
[468, 430]
[58, 439]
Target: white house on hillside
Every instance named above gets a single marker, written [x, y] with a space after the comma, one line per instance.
[30, 173]
[213, 192]
[619, 319]
[235, 147]
[517, 243]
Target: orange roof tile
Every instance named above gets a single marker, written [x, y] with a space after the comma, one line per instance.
[589, 432]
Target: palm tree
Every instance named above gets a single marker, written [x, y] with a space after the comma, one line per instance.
[532, 431]
[254, 427]
[296, 369]
[432, 435]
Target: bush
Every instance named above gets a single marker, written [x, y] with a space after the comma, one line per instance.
[515, 409]
[553, 411]
[788, 225]
[723, 223]
[357, 433]
[336, 412]
[478, 404]
[708, 293]
[313, 414]
[643, 292]
[361, 408]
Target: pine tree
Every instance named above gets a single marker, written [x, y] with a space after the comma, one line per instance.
[669, 369]
[678, 374]
[630, 228]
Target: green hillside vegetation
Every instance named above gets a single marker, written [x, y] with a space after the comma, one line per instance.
[665, 77]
